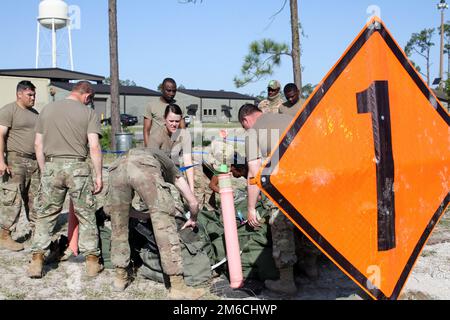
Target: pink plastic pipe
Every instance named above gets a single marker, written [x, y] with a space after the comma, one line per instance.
[231, 235]
[72, 232]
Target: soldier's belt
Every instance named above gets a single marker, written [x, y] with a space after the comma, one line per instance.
[23, 155]
[65, 159]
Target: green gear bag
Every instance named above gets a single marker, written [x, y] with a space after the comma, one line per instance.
[196, 263]
[256, 246]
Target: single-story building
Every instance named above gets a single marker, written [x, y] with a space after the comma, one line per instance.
[132, 99]
[55, 84]
[41, 78]
[8, 85]
[212, 106]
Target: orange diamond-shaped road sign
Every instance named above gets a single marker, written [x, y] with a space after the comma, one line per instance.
[364, 169]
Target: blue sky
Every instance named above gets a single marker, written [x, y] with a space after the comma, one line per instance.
[202, 46]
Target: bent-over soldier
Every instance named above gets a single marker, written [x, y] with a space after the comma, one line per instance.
[149, 173]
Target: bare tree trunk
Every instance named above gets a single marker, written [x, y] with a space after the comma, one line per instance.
[296, 45]
[441, 54]
[447, 48]
[114, 73]
[428, 67]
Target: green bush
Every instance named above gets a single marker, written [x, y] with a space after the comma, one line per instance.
[206, 143]
[105, 141]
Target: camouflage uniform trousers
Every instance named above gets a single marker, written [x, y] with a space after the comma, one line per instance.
[22, 185]
[202, 191]
[141, 207]
[283, 240]
[140, 172]
[59, 178]
[286, 247]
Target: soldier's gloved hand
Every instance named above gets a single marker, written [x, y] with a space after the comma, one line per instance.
[4, 169]
[191, 223]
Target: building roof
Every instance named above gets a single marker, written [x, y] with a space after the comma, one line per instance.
[54, 74]
[210, 94]
[106, 89]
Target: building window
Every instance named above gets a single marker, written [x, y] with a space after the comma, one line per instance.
[214, 112]
[209, 112]
[205, 112]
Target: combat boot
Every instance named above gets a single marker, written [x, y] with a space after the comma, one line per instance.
[6, 242]
[121, 280]
[180, 291]
[36, 265]
[286, 283]
[93, 266]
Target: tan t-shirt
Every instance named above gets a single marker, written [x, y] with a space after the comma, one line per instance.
[289, 109]
[175, 146]
[65, 126]
[155, 112]
[21, 123]
[265, 135]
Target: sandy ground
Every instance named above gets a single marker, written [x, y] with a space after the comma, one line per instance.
[429, 280]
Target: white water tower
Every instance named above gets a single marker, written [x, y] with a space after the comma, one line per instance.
[53, 16]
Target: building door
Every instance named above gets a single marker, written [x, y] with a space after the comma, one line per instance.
[100, 107]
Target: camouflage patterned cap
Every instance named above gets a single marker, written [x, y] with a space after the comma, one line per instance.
[274, 84]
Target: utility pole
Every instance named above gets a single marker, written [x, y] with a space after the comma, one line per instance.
[442, 6]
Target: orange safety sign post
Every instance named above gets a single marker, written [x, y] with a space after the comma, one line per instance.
[364, 168]
[72, 229]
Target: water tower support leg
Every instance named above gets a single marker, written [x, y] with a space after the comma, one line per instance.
[37, 44]
[53, 44]
[69, 26]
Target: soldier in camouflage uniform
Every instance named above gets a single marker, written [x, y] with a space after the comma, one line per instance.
[63, 131]
[261, 130]
[19, 171]
[149, 173]
[274, 101]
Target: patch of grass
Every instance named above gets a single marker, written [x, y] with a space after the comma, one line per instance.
[134, 129]
[154, 294]
[11, 295]
[429, 253]
[221, 125]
